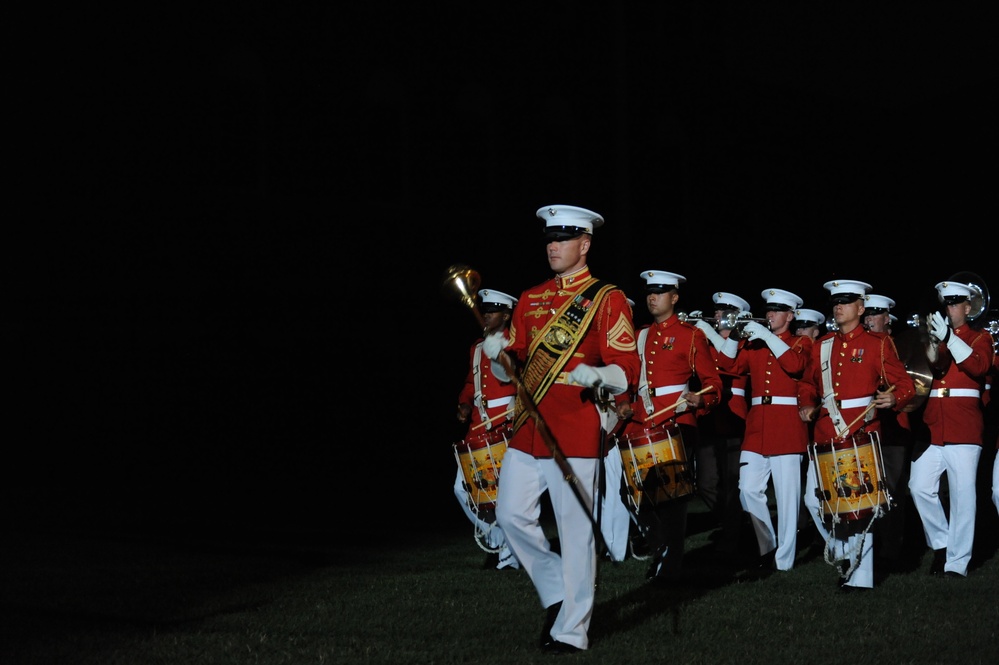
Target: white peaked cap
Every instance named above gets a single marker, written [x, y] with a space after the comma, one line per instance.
[781, 297]
[660, 279]
[814, 317]
[847, 288]
[730, 300]
[878, 302]
[496, 298]
[953, 292]
[569, 220]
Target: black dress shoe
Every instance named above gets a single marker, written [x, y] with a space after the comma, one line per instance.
[846, 588]
[557, 648]
[768, 561]
[939, 559]
[953, 575]
[546, 638]
[492, 560]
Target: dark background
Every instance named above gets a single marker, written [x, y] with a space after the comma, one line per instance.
[239, 322]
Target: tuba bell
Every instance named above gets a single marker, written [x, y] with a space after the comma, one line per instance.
[912, 344]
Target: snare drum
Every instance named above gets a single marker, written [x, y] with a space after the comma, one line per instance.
[655, 465]
[850, 477]
[480, 458]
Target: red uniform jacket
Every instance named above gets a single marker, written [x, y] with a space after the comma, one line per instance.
[568, 410]
[860, 362]
[953, 419]
[675, 352]
[728, 418]
[773, 426]
[496, 396]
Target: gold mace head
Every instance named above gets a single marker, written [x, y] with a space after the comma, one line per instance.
[465, 281]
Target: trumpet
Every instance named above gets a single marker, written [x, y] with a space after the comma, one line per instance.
[734, 321]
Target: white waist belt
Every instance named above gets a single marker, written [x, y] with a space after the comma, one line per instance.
[739, 391]
[955, 392]
[667, 390]
[500, 401]
[854, 403]
[775, 399]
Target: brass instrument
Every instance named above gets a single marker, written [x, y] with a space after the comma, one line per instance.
[912, 343]
[993, 327]
[734, 321]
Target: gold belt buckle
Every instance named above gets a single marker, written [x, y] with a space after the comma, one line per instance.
[945, 392]
[767, 399]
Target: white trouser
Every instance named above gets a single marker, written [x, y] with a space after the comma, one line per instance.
[755, 472]
[856, 549]
[960, 462]
[995, 482]
[615, 516]
[492, 534]
[569, 577]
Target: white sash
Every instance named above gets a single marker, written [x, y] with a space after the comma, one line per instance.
[828, 394]
[643, 381]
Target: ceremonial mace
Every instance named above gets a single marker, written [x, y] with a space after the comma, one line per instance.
[466, 281]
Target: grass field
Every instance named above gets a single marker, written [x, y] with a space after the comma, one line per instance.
[302, 598]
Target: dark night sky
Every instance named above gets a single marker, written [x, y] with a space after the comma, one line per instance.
[247, 314]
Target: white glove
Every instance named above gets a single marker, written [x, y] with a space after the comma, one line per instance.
[709, 330]
[756, 330]
[493, 345]
[959, 349]
[730, 348]
[938, 326]
[610, 377]
[499, 371]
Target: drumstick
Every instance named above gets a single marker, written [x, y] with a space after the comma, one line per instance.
[677, 403]
[502, 415]
[856, 420]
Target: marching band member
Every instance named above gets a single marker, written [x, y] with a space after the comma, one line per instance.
[953, 414]
[808, 322]
[776, 438]
[575, 338]
[673, 355]
[896, 452]
[853, 374]
[486, 404]
[720, 431]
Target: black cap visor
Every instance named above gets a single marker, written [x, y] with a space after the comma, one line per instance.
[660, 288]
[559, 233]
[844, 298]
